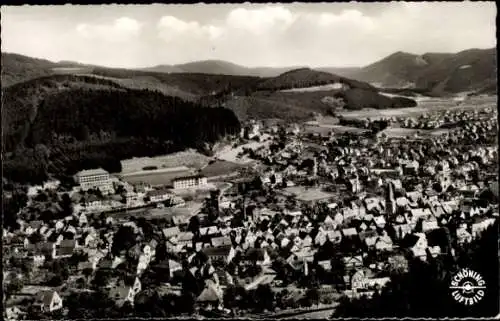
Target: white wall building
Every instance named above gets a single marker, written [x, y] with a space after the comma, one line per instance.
[190, 182]
[94, 178]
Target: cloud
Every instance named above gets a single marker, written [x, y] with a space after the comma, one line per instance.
[171, 28]
[260, 20]
[122, 29]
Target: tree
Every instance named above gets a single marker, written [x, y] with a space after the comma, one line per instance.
[123, 239]
[312, 295]
[66, 205]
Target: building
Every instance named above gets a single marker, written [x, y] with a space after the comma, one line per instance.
[94, 178]
[189, 182]
[48, 301]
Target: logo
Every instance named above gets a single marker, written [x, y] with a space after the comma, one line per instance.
[467, 287]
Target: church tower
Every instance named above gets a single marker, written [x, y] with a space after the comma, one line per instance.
[390, 203]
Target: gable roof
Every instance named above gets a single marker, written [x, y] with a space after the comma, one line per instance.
[171, 231]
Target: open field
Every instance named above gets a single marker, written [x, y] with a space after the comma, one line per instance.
[307, 194]
[228, 153]
[338, 129]
[220, 168]
[156, 178]
[186, 158]
[328, 87]
[397, 132]
[424, 107]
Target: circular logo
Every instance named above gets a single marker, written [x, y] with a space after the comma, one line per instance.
[467, 287]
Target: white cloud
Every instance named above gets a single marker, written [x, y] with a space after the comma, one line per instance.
[120, 30]
[260, 20]
[171, 28]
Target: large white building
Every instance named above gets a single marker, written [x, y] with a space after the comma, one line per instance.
[94, 178]
[189, 182]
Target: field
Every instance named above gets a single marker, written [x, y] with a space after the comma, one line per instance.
[155, 178]
[187, 158]
[424, 106]
[219, 168]
[229, 154]
[338, 129]
[307, 194]
[396, 132]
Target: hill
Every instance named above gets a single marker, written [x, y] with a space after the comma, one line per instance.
[18, 68]
[263, 95]
[299, 94]
[436, 73]
[219, 67]
[85, 122]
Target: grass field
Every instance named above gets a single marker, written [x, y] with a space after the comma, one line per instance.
[424, 107]
[155, 178]
[186, 158]
[396, 132]
[220, 167]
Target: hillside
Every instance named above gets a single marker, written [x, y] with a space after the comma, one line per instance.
[262, 95]
[86, 121]
[17, 68]
[219, 67]
[279, 97]
[436, 73]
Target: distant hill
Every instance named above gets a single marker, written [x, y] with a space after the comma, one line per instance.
[18, 68]
[219, 67]
[280, 97]
[437, 73]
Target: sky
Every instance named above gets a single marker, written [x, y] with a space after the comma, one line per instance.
[296, 34]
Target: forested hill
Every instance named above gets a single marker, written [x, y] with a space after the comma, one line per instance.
[87, 126]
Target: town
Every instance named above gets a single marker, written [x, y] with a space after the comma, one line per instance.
[286, 218]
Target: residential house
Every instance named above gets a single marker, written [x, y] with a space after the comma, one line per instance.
[125, 293]
[353, 262]
[48, 301]
[170, 232]
[65, 248]
[158, 195]
[480, 224]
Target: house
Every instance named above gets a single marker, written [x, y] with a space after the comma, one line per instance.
[349, 232]
[209, 230]
[125, 293]
[185, 238]
[211, 296]
[220, 254]
[42, 249]
[256, 256]
[174, 266]
[171, 232]
[33, 226]
[334, 236]
[480, 224]
[48, 301]
[417, 243]
[384, 243]
[430, 224]
[158, 195]
[94, 178]
[369, 238]
[463, 235]
[13, 313]
[326, 265]
[65, 248]
[353, 262]
[221, 241]
[190, 182]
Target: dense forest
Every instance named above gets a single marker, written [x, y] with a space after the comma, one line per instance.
[78, 128]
